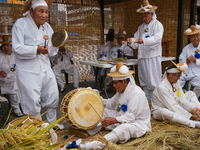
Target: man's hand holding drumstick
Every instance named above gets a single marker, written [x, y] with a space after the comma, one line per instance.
[108, 121]
[43, 49]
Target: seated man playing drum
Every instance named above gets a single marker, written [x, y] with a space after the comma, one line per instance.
[127, 113]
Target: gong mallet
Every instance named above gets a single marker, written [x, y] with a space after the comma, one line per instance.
[95, 110]
[46, 37]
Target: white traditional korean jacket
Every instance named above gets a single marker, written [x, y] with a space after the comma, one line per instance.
[151, 46]
[8, 84]
[164, 97]
[189, 50]
[104, 49]
[25, 40]
[137, 115]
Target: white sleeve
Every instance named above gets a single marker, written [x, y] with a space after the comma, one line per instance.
[183, 56]
[20, 50]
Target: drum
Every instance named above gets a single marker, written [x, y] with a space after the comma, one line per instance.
[80, 113]
[59, 38]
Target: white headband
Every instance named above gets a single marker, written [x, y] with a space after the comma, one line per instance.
[121, 78]
[173, 70]
[36, 3]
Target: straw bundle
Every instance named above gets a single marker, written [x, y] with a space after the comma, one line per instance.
[165, 135]
[22, 134]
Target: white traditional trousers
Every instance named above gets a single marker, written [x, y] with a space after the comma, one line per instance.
[149, 74]
[36, 90]
[165, 114]
[120, 132]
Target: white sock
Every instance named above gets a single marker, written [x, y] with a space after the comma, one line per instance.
[197, 124]
[94, 145]
[112, 136]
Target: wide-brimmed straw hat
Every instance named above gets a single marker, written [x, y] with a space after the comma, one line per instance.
[28, 3]
[146, 7]
[120, 32]
[192, 30]
[120, 70]
[5, 40]
[181, 66]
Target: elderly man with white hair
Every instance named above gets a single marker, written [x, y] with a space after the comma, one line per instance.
[191, 55]
[127, 113]
[36, 80]
[169, 102]
[147, 40]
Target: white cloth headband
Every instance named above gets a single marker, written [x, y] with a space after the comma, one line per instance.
[121, 78]
[173, 70]
[36, 3]
[146, 8]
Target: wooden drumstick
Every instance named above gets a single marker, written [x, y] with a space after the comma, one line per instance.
[95, 110]
[46, 37]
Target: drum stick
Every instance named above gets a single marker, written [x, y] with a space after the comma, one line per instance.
[95, 110]
[46, 37]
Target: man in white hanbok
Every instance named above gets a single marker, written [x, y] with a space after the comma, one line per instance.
[36, 80]
[105, 49]
[169, 102]
[8, 83]
[62, 62]
[126, 48]
[147, 40]
[191, 56]
[127, 113]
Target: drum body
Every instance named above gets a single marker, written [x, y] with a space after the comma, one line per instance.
[80, 114]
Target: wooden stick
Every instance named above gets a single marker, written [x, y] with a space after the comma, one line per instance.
[95, 110]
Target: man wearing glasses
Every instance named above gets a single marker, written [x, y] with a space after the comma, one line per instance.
[191, 55]
[170, 103]
[127, 113]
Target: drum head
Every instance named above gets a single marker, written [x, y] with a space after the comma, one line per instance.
[81, 114]
[59, 38]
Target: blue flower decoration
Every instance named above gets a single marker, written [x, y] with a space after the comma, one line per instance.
[197, 55]
[124, 107]
[146, 36]
[72, 145]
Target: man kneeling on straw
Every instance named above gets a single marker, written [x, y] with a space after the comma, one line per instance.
[127, 113]
[170, 103]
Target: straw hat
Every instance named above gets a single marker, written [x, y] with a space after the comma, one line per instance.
[5, 40]
[181, 66]
[192, 30]
[146, 7]
[28, 4]
[121, 32]
[120, 70]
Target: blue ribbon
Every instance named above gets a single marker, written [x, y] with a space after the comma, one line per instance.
[124, 107]
[72, 145]
[197, 55]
